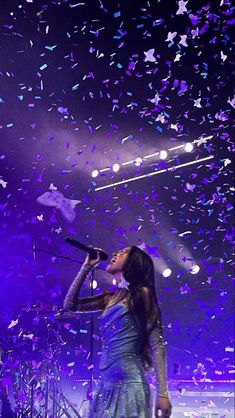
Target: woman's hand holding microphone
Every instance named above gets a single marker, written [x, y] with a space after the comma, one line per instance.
[92, 262]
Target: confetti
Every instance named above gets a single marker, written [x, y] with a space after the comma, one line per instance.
[149, 55]
[112, 85]
[3, 183]
[182, 7]
[57, 200]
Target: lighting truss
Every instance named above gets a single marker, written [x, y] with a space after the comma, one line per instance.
[146, 157]
[154, 173]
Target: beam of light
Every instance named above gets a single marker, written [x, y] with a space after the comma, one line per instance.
[167, 272]
[154, 173]
[205, 138]
[104, 169]
[195, 141]
[128, 162]
[177, 147]
[195, 269]
[150, 155]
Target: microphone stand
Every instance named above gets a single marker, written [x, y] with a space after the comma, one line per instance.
[40, 250]
[36, 249]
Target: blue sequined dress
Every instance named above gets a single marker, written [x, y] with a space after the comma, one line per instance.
[123, 391]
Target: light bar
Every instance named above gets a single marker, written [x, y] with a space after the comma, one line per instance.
[157, 153]
[104, 169]
[153, 173]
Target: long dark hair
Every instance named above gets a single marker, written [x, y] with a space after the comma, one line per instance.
[139, 273]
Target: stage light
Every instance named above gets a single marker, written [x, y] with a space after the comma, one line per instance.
[94, 284]
[114, 282]
[138, 161]
[166, 272]
[94, 173]
[115, 167]
[188, 147]
[154, 173]
[163, 155]
[195, 269]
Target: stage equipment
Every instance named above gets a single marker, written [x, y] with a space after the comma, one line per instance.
[88, 249]
[32, 368]
[154, 173]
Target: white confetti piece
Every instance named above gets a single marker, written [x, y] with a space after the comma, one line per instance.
[57, 200]
[156, 99]
[149, 55]
[197, 103]
[171, 36]
[184, 233]
[13, 323]
[182, 7]
[3, 183]
[183, 40]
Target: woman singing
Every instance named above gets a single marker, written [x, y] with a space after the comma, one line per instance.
[131, 336]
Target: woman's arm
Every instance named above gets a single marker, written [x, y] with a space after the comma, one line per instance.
[158, 354]
[73, 303]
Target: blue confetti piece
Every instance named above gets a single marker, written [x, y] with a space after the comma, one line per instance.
[43, 67]
[75, 87]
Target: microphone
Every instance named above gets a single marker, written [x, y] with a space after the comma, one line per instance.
[90, 250]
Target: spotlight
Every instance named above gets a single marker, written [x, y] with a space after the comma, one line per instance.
[114, 282]
[195, 269]
[166, 273]
[94, 173]
[94, 284]
[138, 161]
[163, 155]
[188, 147]
[116, 167]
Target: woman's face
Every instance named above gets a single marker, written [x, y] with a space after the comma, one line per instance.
[118, 261]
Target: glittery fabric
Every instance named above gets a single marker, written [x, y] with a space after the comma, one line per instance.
[123, 391]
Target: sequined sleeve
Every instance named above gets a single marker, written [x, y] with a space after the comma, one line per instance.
[73, 303]
[159, 360]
